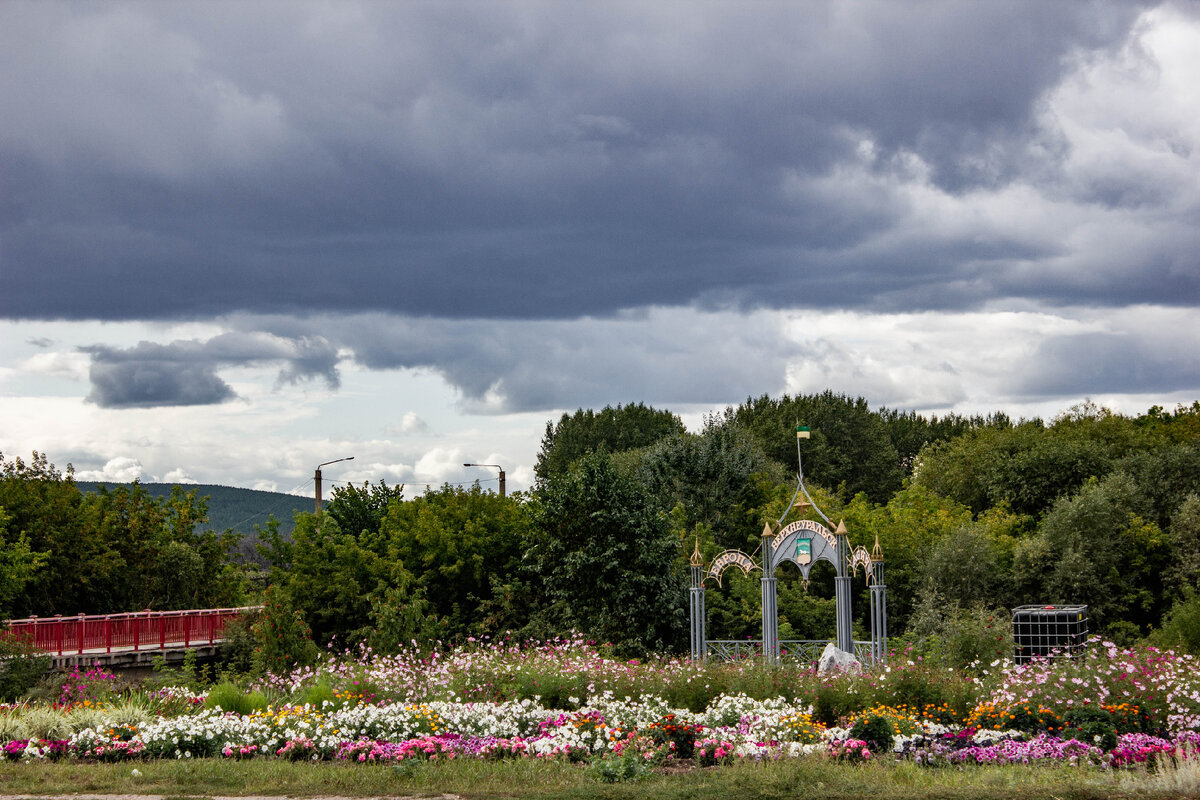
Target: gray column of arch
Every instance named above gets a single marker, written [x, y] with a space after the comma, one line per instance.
[697, 606]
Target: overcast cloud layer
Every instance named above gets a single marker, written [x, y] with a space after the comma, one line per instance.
[550, 205]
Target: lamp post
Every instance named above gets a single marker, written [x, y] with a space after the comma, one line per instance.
[317, 477]
[493, 466]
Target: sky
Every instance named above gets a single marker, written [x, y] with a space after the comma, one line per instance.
[238, 240]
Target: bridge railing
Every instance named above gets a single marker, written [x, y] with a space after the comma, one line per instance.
[138, 630]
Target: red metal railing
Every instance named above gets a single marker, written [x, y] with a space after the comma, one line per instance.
[139, 630]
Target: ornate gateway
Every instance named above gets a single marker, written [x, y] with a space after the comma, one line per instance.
[804, 543]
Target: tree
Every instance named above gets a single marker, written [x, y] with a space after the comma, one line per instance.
[362, 510]
[1095, 548]
[850, 449]
[607, 559]
[611, 430]
[18, 565]
[1184, 573]
[460, 545]
[909, 526]
[333, 576]
[1026, 466]
[42, 507]
[909, 431]
[716, 477]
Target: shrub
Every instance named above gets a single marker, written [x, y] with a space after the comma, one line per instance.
[1181, 629]
[678, 735]
[946, 635]
[237, 648]
[318, 695]
[1024, 717]
[284, 640]
[230, 697]
[1090, 725]
[618, 769]
[879, 727]
[21, 666]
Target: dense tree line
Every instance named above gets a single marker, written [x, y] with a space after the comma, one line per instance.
[66, 552]
[974, 514]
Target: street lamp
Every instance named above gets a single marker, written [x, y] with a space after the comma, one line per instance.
[317, 477]
[493, 466]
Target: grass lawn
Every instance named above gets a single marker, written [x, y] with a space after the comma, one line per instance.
[528, 778]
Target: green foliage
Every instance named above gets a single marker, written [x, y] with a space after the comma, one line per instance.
[850, 448]
[968, 638]
[1093, 548]
[460, 545]
[18, 565]
[317, 695]
[231, 697]
[332, 577]
[401, 617]
[1181, 628]
[1184, 533]
[876, 728]
[113, 550]
[611, 430]
[910, 432]
[912, 522]
[611, 768]
[715, 477]
[236, 655]
[1165, 476]
[1091, 725]
[284, 638]
[21, 666]
[188, 673]
[362, 510]
[606, 555]
[972, 565]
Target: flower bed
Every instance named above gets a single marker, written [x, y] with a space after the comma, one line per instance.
[1113, 708]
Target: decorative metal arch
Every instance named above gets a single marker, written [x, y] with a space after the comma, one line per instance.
[804, 543]
[727, 559]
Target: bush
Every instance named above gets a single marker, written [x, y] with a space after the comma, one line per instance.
[1181, 629]
[1091, 726]
[284, 640]
[617, 769]
[21, 666]
[318, 695]
[1026, 717]
[947, 635]
[237, 650]
[880, 726]
[230, 697]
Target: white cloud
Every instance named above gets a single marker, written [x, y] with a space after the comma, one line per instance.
[70, 365]
[115, 470]
[178, 476]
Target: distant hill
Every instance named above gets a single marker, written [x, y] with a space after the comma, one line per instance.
[230, 508]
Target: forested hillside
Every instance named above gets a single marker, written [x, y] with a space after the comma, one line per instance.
[974, 516]
[229, 507]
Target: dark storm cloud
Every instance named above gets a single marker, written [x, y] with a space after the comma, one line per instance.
[146, 384]
[538, 160]
[512, 366]
[185, 373]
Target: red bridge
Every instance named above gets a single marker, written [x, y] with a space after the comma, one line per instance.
[126, 639]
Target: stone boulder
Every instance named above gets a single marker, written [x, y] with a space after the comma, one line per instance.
[835, 660]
